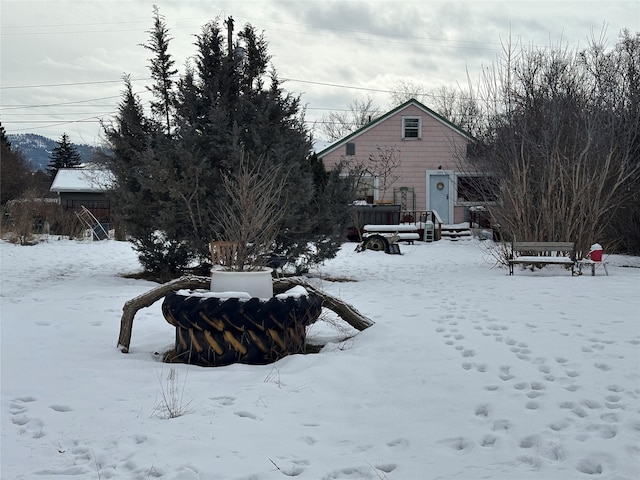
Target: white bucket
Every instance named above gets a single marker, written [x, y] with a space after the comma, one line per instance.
[258, 283]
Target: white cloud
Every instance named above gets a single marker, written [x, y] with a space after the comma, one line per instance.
[361, 44]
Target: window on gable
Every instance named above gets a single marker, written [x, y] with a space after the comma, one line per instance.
[351, 148]
[411, 127]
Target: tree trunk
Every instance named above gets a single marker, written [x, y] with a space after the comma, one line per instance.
[348, 313]
[147, 299]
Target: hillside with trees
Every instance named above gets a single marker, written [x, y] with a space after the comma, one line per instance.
[36, 149]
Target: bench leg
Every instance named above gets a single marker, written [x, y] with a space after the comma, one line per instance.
[593, 269]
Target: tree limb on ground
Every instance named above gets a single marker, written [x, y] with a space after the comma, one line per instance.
[345, 311]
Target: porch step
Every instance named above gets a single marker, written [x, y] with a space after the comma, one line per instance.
[456, 232]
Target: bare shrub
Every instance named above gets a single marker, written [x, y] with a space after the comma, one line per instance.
[561, 140]
[253, 212]
[171, 403]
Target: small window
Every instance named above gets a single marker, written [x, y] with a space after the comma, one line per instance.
[411, 127]
[351, 148]
[365, 188]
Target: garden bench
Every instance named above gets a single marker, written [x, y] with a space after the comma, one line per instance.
[542, 253]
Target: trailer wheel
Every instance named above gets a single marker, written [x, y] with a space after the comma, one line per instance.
[377, 243]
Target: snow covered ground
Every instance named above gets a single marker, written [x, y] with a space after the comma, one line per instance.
[468, 373]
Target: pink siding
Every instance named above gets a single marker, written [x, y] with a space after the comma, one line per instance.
[435, 149]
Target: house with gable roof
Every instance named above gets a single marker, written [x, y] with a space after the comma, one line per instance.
[429, 157]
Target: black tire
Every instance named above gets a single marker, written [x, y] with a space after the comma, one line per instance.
[376, 243]
[215, 332]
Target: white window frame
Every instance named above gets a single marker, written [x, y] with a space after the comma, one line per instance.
[404, 127]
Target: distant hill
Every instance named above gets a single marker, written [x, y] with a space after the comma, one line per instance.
[37, 149]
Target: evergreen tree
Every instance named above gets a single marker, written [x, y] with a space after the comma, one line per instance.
[226, 105]
[4, 141]
[162, 69]
[15, 176]
[64, 155]
[129, 138]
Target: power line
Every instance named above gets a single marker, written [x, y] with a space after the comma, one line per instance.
[48, 85]
[467, 44]
[336, 85]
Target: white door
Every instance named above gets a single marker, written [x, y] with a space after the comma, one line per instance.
[439, 200]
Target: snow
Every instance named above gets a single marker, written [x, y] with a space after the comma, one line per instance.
[468, 373]
[82, 180]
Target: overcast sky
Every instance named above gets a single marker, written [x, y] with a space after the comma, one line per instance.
[62, 61]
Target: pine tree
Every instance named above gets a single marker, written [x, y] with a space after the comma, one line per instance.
[162, 69]
[64, 155]
[4, 141]
[129, 138]
[15, 176]
[226, 105]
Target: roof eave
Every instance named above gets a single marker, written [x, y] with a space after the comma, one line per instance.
[390, 113]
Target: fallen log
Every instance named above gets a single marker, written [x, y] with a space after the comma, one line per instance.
[147, 299]
[345, 311]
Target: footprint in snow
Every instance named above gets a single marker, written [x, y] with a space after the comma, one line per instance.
[60, 408]
[18, 408]
[482, 410]
[591, 404]
[398, 443]
[589, 467]
[458, 443]
[488, 441]
[501, 425]
[245, 414]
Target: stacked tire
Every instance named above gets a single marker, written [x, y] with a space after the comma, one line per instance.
[214, 331]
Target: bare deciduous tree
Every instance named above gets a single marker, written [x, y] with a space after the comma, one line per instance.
[254, 210]
[360, 112]
[457, 105]
[381, 166]
[406, 90]
[562, 140]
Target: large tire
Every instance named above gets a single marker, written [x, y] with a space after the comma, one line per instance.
[213, 332]
[376, 242]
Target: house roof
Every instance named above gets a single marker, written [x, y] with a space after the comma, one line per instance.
[88, 180]
[389, 114]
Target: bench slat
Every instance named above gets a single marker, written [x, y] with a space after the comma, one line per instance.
[542, 246]
[541, 259]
